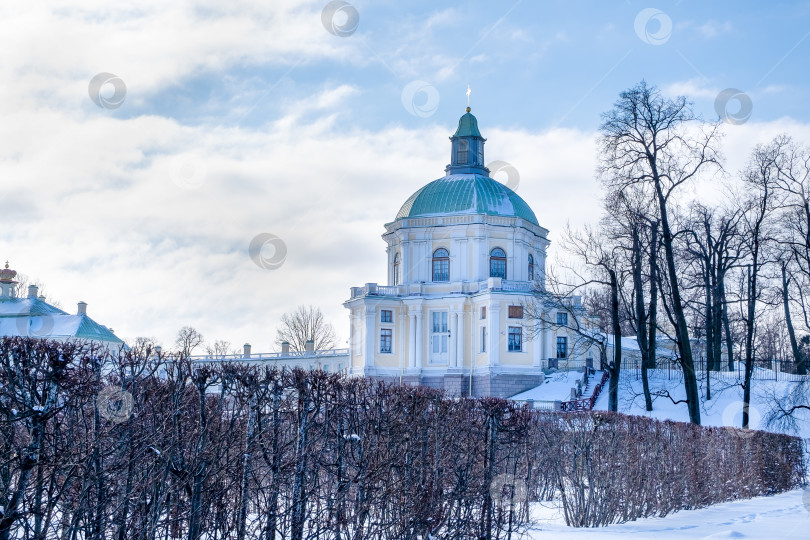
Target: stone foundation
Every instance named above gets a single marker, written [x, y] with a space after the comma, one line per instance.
[501, 385]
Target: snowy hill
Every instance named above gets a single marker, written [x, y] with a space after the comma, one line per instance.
[785, 516]
[724, 409]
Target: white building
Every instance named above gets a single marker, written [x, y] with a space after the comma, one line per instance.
[32, 316]
[465, 255]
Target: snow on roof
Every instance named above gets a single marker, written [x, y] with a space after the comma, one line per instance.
[32, 317]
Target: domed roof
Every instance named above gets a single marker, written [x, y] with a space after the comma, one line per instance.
[466, 194]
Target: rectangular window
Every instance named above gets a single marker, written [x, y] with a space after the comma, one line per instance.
[483, 339]
[326, 367]
[385, 340]
[386, 316]
[497, 267]
[562, 347]
[441, 269]
[515, 339]
[515, 312]
[340, 367]
[562, 319]
[484, 312]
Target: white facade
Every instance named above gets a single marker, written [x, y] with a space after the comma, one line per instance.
[452, 313]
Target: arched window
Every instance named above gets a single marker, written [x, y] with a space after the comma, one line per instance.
[397, 274]
[497, 263]
[531, 267]
[441, 265]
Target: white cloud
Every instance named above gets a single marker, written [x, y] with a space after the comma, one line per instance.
[713, 28]
[693, 88]
[149, 219]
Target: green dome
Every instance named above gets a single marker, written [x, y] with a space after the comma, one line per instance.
[467, 126]
[466, 194]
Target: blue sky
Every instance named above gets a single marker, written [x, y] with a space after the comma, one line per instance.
[248, 118]
[532, 65]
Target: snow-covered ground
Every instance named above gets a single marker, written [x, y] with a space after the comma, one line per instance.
[724, 409]
[555, 387]
[780, 517]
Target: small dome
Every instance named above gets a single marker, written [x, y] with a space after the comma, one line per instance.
[467, 126]
[7, 275]
[466, 194]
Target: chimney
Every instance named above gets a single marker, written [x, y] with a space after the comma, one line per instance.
[285, 348]
[246, 347]
[33, 291]
[309, 346]
[82, 308]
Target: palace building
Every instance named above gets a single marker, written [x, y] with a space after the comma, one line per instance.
[32, 316]
[466, 256]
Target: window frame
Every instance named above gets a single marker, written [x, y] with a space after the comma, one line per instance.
[531, 267]
[462, 151]
[390, 313]
[562, 340]
[483, 335]
[390, 336]
[562, 318]
[515, 312]
[517, 331]
[397, 269]
[441, 259]
[500, 260]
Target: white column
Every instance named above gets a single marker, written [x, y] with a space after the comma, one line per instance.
[494, 316]
[407, 273]
[412, 341]
[451, 361]
[547, 343]
[460, 340]
[371, 335]
[477, 273]
[420, 346]
[538, 350]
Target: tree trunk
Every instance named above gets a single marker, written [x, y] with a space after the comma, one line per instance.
[641, 319]
[726, 325]
[681, 327]
[749, 341]
[615, 367]
[653, 316]
[794, 345]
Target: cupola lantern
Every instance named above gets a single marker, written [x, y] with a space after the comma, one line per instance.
[467, 148]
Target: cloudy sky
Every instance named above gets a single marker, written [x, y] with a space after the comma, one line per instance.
[139, 190]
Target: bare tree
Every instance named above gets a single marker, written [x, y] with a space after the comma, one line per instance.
[220, 347]
[758, 207]
[188, 339]
[304, 324]
[654, 141]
